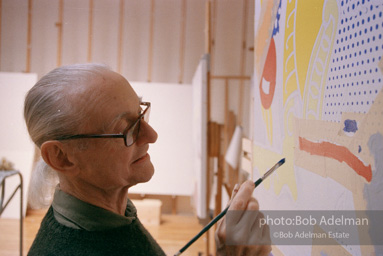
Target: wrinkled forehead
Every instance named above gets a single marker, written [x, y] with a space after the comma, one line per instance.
[105, 96]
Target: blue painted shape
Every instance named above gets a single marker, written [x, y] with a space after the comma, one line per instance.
[350, 126]
[359, 149]
[276, 26]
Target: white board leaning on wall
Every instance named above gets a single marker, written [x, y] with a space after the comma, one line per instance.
[172, 154]
[15, 144]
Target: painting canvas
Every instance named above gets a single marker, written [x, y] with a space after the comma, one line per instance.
[318, 103]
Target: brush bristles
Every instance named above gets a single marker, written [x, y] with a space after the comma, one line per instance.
[282, 161]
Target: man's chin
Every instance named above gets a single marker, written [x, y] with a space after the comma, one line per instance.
[146, 176]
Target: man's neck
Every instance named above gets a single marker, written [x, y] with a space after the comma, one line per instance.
[112, 200]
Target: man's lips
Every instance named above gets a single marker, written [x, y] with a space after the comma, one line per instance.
[142, 158]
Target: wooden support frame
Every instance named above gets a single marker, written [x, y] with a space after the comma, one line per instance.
[208, 82]
[29, 37]
[213, 19]
[227, 130]
[242, 64]
[90, 31]
[151, 38]
[59, 25]
[174, 205]
[230, 77]
[120, 37]
[182, 41]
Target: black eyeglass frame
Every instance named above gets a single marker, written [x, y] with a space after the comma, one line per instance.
[124, 135]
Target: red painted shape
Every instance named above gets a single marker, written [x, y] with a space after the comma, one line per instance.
[339, 153]
[270, 75]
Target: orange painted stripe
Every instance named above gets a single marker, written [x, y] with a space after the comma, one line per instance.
[339, 153]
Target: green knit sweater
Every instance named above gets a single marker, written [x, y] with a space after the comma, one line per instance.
[54, 238]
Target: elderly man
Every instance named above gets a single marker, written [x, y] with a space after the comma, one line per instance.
[93, 131]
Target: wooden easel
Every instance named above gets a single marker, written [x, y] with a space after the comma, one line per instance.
[218, 132]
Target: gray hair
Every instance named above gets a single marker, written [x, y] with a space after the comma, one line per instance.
[47, 109]
[49, 114]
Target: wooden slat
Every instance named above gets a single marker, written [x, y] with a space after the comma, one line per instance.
[247, 156]
[29, 37]
[208, 27]
[218, 198]
[59, 25]
[151, 38]
[231, 77]
[242, 63]
[213, 26]
[120, 37]
[208, 117]
[214, 139]
[182, 42]
[90, 31]
[232, 174]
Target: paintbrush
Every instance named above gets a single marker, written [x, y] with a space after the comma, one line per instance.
[219, 216]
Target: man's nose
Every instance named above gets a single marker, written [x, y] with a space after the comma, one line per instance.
[146, 134]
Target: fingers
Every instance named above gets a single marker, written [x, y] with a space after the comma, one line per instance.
[240, 232]
[243, 196]
[252, 205]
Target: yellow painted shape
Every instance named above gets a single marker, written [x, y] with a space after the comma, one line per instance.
[268, 120]
[290, 82]
[308, 23]
[319, 62]
[264, 159]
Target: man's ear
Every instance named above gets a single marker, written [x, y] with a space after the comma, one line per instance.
[55, 154]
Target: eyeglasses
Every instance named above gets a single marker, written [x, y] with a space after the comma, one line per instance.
[129, 135]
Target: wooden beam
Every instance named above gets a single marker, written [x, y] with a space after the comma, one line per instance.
[29, 37]
[208, 117]
[231, 77]
[182, 41]
[214, 139]
[208, 27]
[151, 38]
[243, 62]
[90, 31]
[213, 30]
[59, 25]
[218, 198]
[120, 37]
[226, 135]
[174, 204]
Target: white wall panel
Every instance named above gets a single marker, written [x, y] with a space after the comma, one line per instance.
[15, 144]
[14, 35]
[228, 38]
[136, 40]
[75, 31]
[105, 32]
[44, 36]
[166, 45]
[194, 37]
[172, 154]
